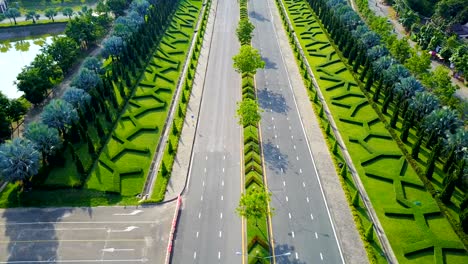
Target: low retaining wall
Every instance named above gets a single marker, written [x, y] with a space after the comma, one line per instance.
[31, 30]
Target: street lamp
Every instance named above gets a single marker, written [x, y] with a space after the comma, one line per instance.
[280, 255]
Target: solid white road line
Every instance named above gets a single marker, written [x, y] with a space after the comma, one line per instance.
[142, 260]
[134, 212]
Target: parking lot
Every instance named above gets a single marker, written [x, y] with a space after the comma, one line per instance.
[85, 235]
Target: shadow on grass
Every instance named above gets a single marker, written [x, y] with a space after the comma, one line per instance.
[275, 160]
[268, 99]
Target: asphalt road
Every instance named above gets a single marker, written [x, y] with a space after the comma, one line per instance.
[301, 224]
[209, 231]
[85, 235]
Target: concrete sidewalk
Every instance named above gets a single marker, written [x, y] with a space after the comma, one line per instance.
[348, 236]
[181, 167]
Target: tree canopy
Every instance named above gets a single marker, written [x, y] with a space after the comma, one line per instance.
[244, 31]
[59, 114]
[253, 204]
[248, 60]
[19, 161]
[248, 112]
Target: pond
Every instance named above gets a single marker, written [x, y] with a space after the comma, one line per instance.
[14, 55]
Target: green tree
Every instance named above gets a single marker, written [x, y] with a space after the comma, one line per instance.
[440, 83]
[16, 110]
[244, 31]
[83, 30]
[450, 182]
[68, 11]
[253, 204]
[59, 114]
[33, 84]
[32, 15]
[418, 64]
[400, 49]
[12, 13]
[248, 112]
[50, 13]
[248, 60]
[117, 6]
[64, 51]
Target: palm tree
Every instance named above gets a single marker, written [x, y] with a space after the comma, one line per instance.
[45, 139]
[59, 114]
[19, 161]
[439, 122]
[455, 147]
[420, 106]
[404, 90]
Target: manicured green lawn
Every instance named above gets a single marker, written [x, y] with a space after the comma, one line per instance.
[125, 160]
[381, 166]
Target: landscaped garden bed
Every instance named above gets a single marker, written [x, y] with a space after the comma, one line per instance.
[398, 195]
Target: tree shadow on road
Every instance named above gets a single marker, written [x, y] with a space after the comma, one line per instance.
[268, 99]
[36, 226]
[285, 248]
[269, 64]
[275, 160]
[258, 16]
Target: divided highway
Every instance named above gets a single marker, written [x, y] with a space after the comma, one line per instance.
[301, 224]
[209, 231]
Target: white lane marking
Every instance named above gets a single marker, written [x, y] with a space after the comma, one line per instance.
[287, 198]
[277, 146]
[199, 215]
[116, 249]
[203, 183]
[287, 118]
[279, 157]
[311, 216]
[300, 170]
[307, 198]
[289, 127]
[321, 256]
[222, 197]
[219, 255]
[297, 157]
[276, 136]
[284, 183]
[272, 118]
[221, 215]
[224, 157]
[127, 229]
[297, 256]
[222, 183]
[292, 233]
[194, 255]
[292, 137]
[303, 184]
[197, 234]
[289, 215]
[316, 236]
[220, 233]
[205, 169]
[206, 158]
[281, 170]
[201, 198]
[294, 146]
[223, 169]
[134, 212]
[274, 126]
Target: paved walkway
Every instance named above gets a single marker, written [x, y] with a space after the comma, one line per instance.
[181, 167]
[350, 240]
[380, 9]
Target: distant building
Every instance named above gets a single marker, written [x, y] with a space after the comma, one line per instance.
[461, 31]
[3, 6]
